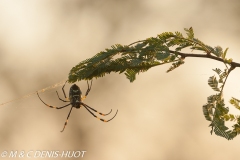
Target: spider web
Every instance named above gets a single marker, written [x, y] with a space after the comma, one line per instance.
[49, 88]
[58, 84]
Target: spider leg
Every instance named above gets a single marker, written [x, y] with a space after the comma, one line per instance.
[67, 99]
[62, 99]
[64, 91]
[67, 119]
[96, 110]
[88, 90]
[53, 106]
[97, 116]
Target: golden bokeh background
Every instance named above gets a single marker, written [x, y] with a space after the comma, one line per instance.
[159, 115]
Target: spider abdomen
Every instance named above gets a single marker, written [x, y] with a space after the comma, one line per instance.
[75, 96]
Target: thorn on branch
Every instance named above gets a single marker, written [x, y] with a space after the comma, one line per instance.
[231, 68]
[183, 57]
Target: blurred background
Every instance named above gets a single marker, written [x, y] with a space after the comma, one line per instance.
[159, 115]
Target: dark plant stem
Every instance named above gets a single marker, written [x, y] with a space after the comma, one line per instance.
[184, 55]
[232, 68]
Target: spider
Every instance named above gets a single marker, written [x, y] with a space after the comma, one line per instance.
[76, 100]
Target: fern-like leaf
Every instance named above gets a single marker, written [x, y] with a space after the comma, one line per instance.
[190, 33]
[235, 102]
[175, 65]
[213, 83]
[218, 51]
[207, 111]
[218, 71]
[131, 75]
[220, 129]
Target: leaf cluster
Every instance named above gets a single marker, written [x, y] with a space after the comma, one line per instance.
[139, 56]
[215, 110]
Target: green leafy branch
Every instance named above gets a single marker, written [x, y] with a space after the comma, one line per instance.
[166, 48]
[215, 110]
